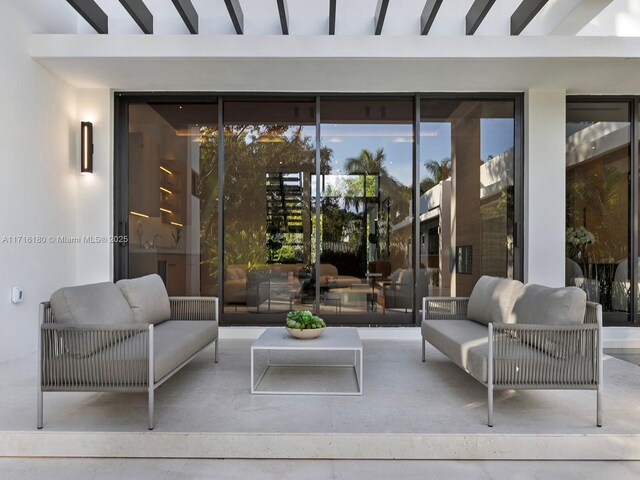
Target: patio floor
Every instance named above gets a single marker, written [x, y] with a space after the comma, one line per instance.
[179, 469]
[409, 409]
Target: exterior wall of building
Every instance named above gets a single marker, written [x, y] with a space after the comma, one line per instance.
[38, 182]
[95, 192]
[44, 195]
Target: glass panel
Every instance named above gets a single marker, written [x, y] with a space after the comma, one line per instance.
[366, 272]
[173, 184]
[269, 163]
[366, 222]
[466, 193]
[597, 237]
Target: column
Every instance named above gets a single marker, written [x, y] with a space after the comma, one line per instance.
[544, 187]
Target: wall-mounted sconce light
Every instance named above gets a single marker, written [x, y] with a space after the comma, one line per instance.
[86, 146]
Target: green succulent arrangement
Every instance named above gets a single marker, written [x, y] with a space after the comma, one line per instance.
[304, 319]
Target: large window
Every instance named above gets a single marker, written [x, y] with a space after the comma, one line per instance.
[366, 185]
[467, 162]
[269, 162]
[172, 209]
[598, 205]
[329, 204]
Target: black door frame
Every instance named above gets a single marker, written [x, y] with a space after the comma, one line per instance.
[122, 101]
[634, 165]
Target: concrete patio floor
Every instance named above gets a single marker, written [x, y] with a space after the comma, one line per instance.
[117, 469]
[409, 409]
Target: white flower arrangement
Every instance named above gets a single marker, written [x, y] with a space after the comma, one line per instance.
[579, 237]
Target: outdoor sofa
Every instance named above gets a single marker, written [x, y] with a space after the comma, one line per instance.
[124, 337]
[508, 335]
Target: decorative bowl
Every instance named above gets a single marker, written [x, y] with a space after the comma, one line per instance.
[306, 334]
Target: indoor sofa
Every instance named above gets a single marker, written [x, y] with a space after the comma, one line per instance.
[508, 335]
[123, 337]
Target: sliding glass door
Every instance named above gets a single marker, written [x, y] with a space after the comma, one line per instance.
[269, 165]
[329, 204]
[366, 183]
[598, 209]
[171, 207]
[467, 188]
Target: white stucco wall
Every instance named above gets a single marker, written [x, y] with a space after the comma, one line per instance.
[545, 173]
[38, 181]
[44, 195]
[94, 213]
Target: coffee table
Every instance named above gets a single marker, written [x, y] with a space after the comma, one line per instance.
[334, 339]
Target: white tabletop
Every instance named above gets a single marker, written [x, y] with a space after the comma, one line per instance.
[333, 338]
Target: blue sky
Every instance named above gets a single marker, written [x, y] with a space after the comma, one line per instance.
[347, 140]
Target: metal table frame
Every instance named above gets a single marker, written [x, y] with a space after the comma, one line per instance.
[306, 345]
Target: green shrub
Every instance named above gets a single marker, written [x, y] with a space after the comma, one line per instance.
[304, 319]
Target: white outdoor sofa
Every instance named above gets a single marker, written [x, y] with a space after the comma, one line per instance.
[508, 335]
[124, 337]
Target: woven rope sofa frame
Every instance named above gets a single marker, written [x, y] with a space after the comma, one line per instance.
[579, 370]
[129, 369]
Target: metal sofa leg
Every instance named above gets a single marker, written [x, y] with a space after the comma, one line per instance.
[490, 378]
[490, 405]
[40, 421]
[599, 407]
[39, 415]
[151, 377]
[423, 349]
[151, 412]
[216, 347]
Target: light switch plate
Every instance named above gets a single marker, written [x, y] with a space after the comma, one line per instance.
[16, 295]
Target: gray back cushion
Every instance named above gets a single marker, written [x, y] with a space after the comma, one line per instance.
[542, 305]
[147, 297]
[95, 304]
[99, 304]
[492, 300]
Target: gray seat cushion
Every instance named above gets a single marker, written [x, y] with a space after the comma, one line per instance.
[147, 297]
[176, 341]
[124, 363]
[463, 341]
[100, 304]
[466, 344]
[492, 300]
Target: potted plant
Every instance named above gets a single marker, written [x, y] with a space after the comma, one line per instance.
[304, 324]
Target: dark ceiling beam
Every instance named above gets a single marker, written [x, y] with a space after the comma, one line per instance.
[381, 12]
[429, 13]
[237, 18]
[476, 14]
[523, 15]
[140, 14]
[188, 14]
[332, 17]
[92, 13]
[283, 11]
